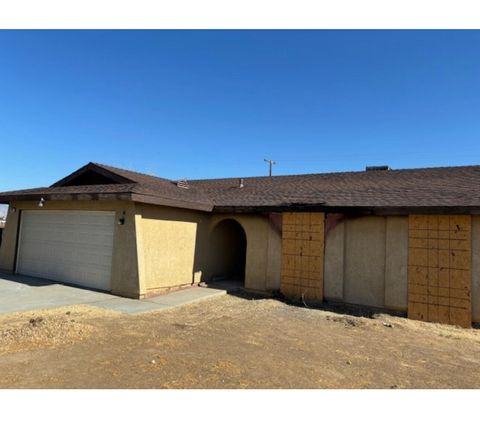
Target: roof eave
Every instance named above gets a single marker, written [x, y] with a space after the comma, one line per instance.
[7, 199]
[157, 200]
[122, 196]
[351, 210]
[407, 210]
[287, 207]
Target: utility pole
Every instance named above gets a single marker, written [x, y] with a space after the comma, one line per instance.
[270, 163]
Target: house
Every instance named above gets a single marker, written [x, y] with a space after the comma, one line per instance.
[405, 240]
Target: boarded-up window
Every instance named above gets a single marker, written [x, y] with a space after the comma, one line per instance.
[439, 269]
[302, 256]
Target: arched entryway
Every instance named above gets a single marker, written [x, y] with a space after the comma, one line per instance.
[229, 251]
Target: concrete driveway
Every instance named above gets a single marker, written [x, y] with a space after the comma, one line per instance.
[21, 293]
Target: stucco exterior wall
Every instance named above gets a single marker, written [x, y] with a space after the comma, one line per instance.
[125, 262]
[171, 246]
[366, 261]
[161, 247]
[334, 263]
[396, 263]
[263, 261]
[9, 240]
[364, 278]
[274, 259]
[125, 273]
[176, 248]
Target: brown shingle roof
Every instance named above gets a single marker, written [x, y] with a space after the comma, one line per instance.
[150, 185]
[452, 187]
[424, 187]
[140, 188]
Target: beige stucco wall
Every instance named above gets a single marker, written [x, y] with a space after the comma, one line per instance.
[171, 249]
[125, 273]
[475, 268]
[263, 261]
[366, 262]
[274, 259]
[334, 263]
[396, 263]
[9, 241]
[364, 274]
[175, 248]
[161, 247]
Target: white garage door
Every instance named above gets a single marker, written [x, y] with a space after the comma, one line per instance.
[67, 246]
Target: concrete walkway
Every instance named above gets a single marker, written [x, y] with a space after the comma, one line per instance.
[20, 293]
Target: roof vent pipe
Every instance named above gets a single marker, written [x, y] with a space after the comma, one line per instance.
[241, 183]
[183, 184]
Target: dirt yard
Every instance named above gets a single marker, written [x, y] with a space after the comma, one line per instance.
[232, 342]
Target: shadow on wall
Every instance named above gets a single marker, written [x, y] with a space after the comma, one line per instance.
[183, 247]
[228, 243]
[220, 253]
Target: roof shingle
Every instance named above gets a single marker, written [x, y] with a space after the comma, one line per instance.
[415, 188]
[445, 186]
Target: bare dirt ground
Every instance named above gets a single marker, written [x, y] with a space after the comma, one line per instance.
[232, 342]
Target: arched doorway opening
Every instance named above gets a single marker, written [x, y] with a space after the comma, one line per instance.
[229, 251]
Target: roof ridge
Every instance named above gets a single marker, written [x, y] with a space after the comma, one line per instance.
[335, 173]
[111, 167]
[309, 174]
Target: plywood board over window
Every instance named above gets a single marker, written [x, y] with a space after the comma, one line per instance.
[302, 256]
[439, 269]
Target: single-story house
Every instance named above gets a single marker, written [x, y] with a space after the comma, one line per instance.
[405, 240]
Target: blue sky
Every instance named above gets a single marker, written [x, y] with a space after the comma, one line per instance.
[191, 104]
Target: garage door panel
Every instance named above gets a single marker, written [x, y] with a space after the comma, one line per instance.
[69, 246]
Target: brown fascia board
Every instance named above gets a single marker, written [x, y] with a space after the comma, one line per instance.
[405, 210]
[65, 197]
[381, 211]
[156, 200]
[96, 168]
[269, 208]
[6, 199]
[127, 196]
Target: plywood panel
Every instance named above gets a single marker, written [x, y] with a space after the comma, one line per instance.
[302, 256]
[439, 269]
